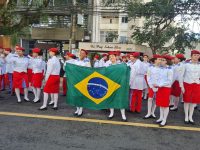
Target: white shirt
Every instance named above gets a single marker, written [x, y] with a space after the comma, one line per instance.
[177, 69]
[152, 75]
[190, 73]
[70, 61]
[102, 62]
[30, 63]
[37, 65]
[108, 63]
[146, 66]
[9, 63]
[53, 67]
[85, 62]
[44, 66]
[165, 78]
[138, 71]
[1, 65]
[96, 64]
[20, 64]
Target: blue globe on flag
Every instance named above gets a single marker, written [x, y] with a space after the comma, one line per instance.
[97, 87]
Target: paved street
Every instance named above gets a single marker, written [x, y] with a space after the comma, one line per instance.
[29, 132]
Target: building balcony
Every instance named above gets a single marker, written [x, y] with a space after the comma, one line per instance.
[63, 34]
[109, 26]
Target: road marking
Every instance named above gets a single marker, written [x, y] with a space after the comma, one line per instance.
[98, 121]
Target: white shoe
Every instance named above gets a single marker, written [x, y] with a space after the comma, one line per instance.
[51, 103]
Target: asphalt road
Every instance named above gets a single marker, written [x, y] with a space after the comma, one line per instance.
[22, 133]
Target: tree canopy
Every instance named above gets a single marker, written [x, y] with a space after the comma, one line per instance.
[164, 21]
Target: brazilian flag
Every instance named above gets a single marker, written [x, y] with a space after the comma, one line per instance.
[98, 88]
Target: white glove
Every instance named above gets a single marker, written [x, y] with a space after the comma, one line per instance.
[183, 89]
[155, 89]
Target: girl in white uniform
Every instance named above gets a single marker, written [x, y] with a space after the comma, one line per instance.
[52, 80]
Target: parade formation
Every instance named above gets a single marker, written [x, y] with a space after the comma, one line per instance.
[163, 80]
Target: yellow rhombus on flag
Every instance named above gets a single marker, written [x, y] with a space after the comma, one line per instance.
[87, 87]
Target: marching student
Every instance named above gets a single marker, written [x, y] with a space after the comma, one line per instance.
[146, 66]
[3, 72]
[9, 68]
[103, 60]
[96, 61]
[137, 82]
[52, 79]
[1, 76]
[124, 59]
[30, 72]
[20, 77]
[164, 84]
[37, 77]
[70, 58]
[176, 89]
[83, 60]
[152, 78]
[190, 85]
[113, 60]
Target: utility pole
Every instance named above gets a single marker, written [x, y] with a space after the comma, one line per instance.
[73, 26]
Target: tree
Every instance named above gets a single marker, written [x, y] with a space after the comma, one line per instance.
[160, 26]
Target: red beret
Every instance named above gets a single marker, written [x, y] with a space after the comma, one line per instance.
[86, 52]
[112, 53]
[136, 54]
[36, 50]
[20, 48]
[179, 56]
[124, 56]
[195, 52]
[117, 52]
[105, 54]
[7, 49]
[166, 57]
[131, 54]
[54, 49]
[157, 56]
[96, 56]
[70, 55]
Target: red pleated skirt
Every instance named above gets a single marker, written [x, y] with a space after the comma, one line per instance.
[30, 75]
[37, 80]
[20, 80]
[192, 93]
[176, 89]
[163, 96]
[52, 84]
[151, 92]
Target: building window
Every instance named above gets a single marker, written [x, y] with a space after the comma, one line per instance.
[123, 39]
[108, 36]
[110, 20]
[124, 19]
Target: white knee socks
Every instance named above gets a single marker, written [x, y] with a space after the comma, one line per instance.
[149, 107]
[80, 111]
[55, 100]
[161, 115]
[26, 94]
[17, 92]
[38, 93]
[165, 115]
[111, 112]
[123, 114]
[191, 111]
[186, 110]
[45, 100]
[35, 94]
